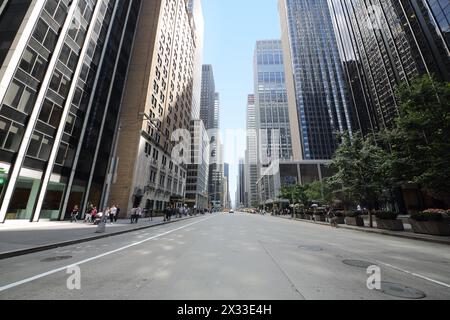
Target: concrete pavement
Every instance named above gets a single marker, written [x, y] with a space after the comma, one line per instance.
[23, 237]
[232, 257]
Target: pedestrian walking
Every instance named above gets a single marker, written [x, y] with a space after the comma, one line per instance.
[167, 212]
[74, 214]
[88, 215]
[116, 217]
[106, 215]
[94, 214]
[138, 214]
[133, 215]
[112, 215]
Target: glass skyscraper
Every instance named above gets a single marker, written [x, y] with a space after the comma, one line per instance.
[61, 80]
[318, 91]
[386, 43]
[251, 155]
[271, 105]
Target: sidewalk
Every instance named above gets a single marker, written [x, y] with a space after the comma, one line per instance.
[407, 234]
[20, 237]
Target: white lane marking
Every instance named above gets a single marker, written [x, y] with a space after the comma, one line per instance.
[414, 274]
[42, 275]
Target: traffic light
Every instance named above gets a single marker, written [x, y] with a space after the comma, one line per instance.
[2, 179]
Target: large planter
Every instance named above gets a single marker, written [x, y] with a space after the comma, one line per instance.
[319, 218]
[339, 220]
[392, 225]
[354, 221]
[436, 228]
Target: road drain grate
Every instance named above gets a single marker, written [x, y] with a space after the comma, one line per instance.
[311, 248]
[401, 291]
[358, 263]
[59, 258]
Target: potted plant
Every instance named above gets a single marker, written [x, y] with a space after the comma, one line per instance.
[309, 215]
[339, 215]
[432, 221]
[319, 216]
[353, 218]
[387, 220]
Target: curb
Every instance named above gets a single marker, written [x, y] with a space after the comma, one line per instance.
[21, 252]
[374, 231]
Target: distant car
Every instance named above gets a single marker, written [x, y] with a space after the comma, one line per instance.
[231, 211]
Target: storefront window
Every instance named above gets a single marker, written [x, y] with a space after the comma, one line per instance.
[53, 201]
[25, 195]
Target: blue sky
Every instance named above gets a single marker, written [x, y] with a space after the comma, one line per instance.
[232, 28]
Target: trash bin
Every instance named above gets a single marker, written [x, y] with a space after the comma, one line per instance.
[101, 228]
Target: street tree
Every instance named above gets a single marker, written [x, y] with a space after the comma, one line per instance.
[362, 171]
[420, 138]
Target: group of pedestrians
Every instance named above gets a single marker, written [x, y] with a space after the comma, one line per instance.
[172, 211]
[136, 214]
[94, 217]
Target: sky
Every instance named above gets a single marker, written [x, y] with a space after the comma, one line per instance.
[232, 28]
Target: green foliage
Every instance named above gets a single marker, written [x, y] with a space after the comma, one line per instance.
[308, 194]
[420, 141]
[314, 191]
[295, 194]
[362, 172]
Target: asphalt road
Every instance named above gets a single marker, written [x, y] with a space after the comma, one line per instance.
[232, 257]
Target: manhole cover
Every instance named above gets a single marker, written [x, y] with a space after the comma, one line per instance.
[59, 258]
[311, 248]
[358, 263]
[401, 291]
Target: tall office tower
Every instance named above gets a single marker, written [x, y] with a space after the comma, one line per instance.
[240, 194]
[63, 66]
[271, 105]
[151, 159]
[210, 114]
[198, 169]
[208, 98]
[317, 93]
[251, 161]
[386, 43]
[196, 13]
[226, 195]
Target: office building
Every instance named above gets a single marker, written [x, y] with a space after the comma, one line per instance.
[317, 91]
[152, 149]
[210, 114]
[240, 193]
[271, 105]
[385, 44]
[198, 168]
[196, 13]
[251, 155]
[63, 67]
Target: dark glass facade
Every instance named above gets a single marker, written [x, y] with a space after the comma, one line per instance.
[384, 43]
[59, 115]
[320, 89]
[12, 13]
